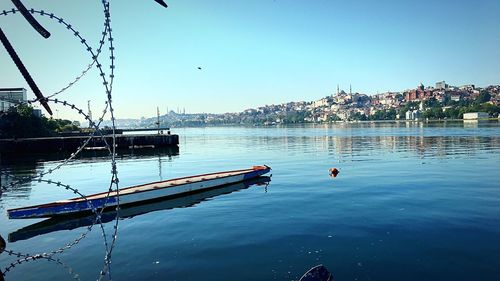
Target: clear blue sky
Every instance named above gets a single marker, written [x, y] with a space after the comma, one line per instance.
[257, 52]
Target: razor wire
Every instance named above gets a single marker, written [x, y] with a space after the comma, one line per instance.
[76, 33]
[113, 185]
[30, 258]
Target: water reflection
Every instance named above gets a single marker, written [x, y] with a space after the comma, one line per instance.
[351, 140]
[14, 168]
[15, 159]
[74, 222]
[435, 146]
[386, 208]
[355, 146]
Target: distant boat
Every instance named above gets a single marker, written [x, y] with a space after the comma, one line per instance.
[138, 194]
[73, 222]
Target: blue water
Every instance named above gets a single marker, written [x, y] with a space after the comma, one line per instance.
[413, 201]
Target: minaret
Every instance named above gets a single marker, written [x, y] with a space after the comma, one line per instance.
[89, 114]
[350, 89]
[338, 89]
[158, 119]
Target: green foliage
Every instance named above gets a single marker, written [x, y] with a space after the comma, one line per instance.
[483, 97]
[457, 112]
[334, 117]
[389, 114]
[21, 123]
[432, 103]
[358, 116]
[59, 125]
[408, 106]
[411, 105]
[493, 110]
[296, 116]
[25, 110]
[434, 113]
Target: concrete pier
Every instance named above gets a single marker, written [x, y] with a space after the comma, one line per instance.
[71, 143]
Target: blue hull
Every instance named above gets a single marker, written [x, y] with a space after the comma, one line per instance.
[77, 205]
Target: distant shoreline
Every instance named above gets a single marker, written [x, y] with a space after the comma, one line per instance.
[340, 122]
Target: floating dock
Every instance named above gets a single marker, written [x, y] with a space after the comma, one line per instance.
[72, 143]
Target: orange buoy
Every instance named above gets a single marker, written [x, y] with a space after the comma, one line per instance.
[333, 172]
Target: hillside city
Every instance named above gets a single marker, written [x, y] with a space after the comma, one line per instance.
[438, 102]
[441, 101]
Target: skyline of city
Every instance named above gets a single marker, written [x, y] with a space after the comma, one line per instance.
[407, 95]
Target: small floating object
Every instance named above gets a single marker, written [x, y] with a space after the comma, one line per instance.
[139, 194]
[2, 246]
[199, 68]
[334, 172]
[317, 273]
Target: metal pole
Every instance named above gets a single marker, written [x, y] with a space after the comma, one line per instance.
[24, 71]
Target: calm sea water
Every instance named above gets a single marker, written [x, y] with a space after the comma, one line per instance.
[412, 201]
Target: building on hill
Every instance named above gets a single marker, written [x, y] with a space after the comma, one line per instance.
[469, 87]
[416, 94]
[441, 85]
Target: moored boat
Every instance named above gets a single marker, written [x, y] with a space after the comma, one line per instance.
[70, 222]
[138, 194]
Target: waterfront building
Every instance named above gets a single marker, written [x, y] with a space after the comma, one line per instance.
[413, 115]
[475, 115]
[409, 115]
[9, 97]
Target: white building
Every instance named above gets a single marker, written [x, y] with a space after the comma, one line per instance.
[441, 85]
[320, 103]
[475, 115]
[413, 115]
[9, 97]
[469, 87]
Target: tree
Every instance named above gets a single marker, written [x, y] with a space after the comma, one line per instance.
[483, 97]
[20, 122]
[432, 103]
[389, 114]
[25, 110]
[334, 118]
[358, 116]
